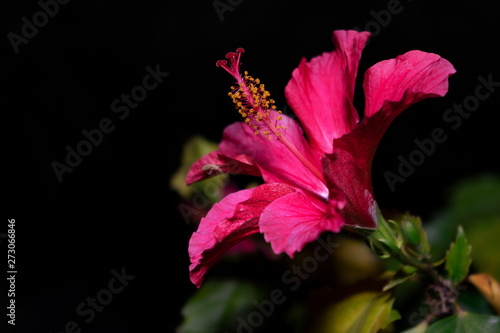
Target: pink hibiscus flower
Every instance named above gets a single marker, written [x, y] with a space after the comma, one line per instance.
[314, 185]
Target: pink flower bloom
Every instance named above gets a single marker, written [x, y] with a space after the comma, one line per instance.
[314, 185]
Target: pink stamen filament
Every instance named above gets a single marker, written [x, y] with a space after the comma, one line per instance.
[284, 140]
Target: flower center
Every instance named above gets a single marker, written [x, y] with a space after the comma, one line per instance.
[253, 103]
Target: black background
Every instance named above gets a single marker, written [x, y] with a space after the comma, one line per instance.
[116, 210]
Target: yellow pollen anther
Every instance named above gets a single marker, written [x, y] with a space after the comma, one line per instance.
[255, 106]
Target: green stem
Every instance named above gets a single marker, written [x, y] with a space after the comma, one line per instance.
[421, 266]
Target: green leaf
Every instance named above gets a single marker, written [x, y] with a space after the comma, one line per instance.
[483, 236]
[420, 328]
[458, 258]
[398, 278]
[366, 312]
[439, 262]
[466, 322]
[393, 316]
[475, 204]
[215, 307]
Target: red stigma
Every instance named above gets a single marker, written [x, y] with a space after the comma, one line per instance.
[234, 59]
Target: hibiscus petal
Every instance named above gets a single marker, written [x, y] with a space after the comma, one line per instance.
[293, 220]
[276, 162]
[216, 163]
[203, 238]
[321, 91]
[229, 222]
[342, 172]
[391, 86]
[405, 80]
